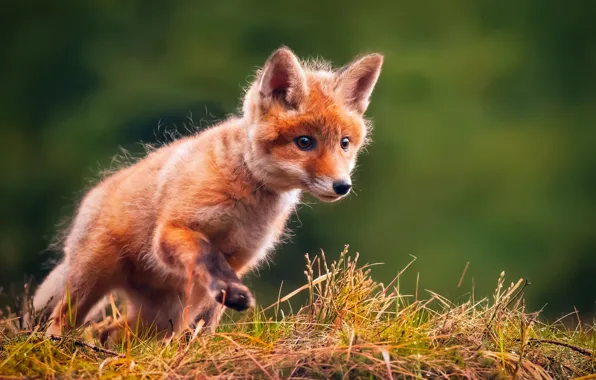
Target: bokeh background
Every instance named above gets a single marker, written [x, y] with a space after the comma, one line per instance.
[484, 141]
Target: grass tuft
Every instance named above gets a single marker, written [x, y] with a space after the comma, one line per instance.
[351, 326]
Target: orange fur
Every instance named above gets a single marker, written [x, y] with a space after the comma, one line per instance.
[176, 231]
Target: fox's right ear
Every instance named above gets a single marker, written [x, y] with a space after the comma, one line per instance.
[357, 80]
[283, 77]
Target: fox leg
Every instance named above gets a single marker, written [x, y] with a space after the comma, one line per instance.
[189, 252]
[83, 290]
[88, 273]
[160, 314]
[153, 313]
[50, 292]
[113, 334]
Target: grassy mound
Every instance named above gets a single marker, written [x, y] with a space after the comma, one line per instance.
[351, 326]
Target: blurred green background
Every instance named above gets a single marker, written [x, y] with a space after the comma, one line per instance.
[484, 138]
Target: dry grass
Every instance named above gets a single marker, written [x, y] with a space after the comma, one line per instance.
[351, 327]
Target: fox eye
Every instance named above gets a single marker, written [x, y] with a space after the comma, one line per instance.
[305, 142]
[345, 143]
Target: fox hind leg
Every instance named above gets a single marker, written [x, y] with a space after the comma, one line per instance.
[50, 292]
[83, 287]
[151, 313]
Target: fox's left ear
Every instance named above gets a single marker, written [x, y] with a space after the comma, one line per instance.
[357, 80]
[283, 76]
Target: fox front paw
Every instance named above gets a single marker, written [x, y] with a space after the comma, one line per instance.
[233, 295]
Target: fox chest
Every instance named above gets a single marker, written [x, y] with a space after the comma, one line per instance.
[251, 230]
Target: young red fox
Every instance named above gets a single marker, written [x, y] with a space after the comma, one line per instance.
[176, 231]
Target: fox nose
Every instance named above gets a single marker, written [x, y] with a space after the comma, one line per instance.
[341, 187]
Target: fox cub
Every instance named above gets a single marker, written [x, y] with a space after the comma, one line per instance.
[175, 232]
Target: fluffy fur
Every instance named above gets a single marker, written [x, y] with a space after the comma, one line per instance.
[176, 231]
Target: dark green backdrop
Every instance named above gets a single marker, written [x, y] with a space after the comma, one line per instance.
[484, 140]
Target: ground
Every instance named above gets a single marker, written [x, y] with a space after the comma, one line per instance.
[351, 326]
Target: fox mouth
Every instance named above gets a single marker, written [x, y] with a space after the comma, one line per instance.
[319, 190]
[327, 197]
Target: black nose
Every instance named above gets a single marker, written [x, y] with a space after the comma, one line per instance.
[341, 188]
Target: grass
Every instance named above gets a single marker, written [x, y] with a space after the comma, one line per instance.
[351, 326]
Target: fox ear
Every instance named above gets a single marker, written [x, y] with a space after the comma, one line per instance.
[284, 77]
[357, 80]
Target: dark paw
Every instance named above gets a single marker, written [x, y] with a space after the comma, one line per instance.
[233, 295]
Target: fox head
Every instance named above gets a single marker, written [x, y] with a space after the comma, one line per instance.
[306, 124]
